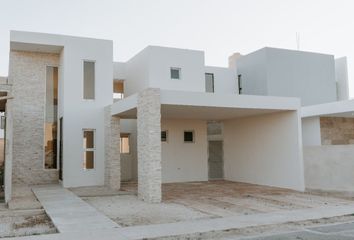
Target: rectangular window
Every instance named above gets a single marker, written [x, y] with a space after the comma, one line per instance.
[164, 136]
[89, 80]
[209, 82]
[51, 113]
[118, 89]
[175, 73]
[188, 136]
[124, 143]
[89, 148]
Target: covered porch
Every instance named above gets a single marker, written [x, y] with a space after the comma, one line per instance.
[261, 140]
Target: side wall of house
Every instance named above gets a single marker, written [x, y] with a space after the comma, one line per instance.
[184, 162]
[337, 130]
[129, 162]
[265, 150]
[311, 131]
[225, 80]
[27, 73]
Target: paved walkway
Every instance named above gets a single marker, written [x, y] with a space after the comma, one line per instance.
[70, 213]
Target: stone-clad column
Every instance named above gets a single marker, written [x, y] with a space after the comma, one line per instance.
[149, 145]
[112, 152]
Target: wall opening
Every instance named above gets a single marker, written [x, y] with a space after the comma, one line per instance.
[118, 89]
[89, 80]
[89, 148]
[51, 113]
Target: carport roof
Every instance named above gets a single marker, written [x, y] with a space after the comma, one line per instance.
[207, 106]
[333, 109]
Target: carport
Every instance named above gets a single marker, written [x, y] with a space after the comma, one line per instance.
[262, 138]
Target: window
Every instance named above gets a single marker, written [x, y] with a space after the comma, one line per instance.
[89, 148]
[209, 82]
[89, 80]
[239, 79]
[124, 143]
[188, 136]
[51, 115]
[118, 89]
[175, 73]
[164, 136]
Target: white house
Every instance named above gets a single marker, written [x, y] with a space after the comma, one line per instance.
[79, 119]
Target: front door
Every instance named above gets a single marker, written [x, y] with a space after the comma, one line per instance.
[215, 160]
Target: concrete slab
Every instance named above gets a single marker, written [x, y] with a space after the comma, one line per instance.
[303, 236]
[334, 228]
[70, 213]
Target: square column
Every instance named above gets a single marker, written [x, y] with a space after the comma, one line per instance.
[112, 152]
[149, 145]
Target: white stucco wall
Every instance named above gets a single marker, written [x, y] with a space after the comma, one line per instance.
[79, 114]
[288, 73]
[341, 70]
[329, 168]
[264, 150]
[184, 162]
[119, 70]
[225, 79]
[311, 131]
[128, 162]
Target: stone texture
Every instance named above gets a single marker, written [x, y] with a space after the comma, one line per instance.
[149, 145]
[112, 152]
[337, 130]
[27, 74]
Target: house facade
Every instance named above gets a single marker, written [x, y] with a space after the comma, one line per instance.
[78, 118]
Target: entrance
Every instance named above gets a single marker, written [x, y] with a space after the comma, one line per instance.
[215, 160]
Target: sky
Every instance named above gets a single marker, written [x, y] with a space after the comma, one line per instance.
[218, 27]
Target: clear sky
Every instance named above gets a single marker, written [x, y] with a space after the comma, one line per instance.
[219, 27]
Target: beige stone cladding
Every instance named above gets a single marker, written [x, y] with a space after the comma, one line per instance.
[112, 153]
[149, 145]
[27, 74]
[337, 130]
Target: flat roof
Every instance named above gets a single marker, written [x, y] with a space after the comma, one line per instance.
[332, 109]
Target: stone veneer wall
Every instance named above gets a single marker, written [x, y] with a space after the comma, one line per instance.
[27, 74]
[112, 152]
[149, 145]
[337, 130]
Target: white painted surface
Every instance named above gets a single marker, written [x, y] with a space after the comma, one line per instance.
[265, 150]
[311, 131]
[184, 162]
[281, 72]
[119, 71]
[339, 109]
[329, 168]
[341, 70]
[225, 79]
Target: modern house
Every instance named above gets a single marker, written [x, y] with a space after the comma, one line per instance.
[75, 117]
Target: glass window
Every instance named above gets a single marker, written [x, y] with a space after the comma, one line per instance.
[175, 73]
[89, 148]
[164, 136]
[209, 82]
[188, 136]
[89, 80]
[124, 143]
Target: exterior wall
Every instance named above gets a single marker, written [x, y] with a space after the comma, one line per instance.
[288, 73]
[329, 168]
[341, 69]
[184, 162]
[79, 114]
[149, 145]
[129, 162]
[311, 131]
[9, 150]
[265, 150]
[191, 62]
[225, 80]
[337, 130]
[119, 70]
[27, 73]
[253, 72]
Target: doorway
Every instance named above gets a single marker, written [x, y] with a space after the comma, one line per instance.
[215, 160]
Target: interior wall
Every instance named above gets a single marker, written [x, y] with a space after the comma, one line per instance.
[265, 150]
[184, 162]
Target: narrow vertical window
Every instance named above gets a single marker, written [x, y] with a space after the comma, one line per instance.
[89, 148]
[124, 143]
[118, 89]
[89, 80]
[51, 113]
[209, 82]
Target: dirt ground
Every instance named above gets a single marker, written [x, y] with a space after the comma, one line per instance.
[201, 200]
[24, 215]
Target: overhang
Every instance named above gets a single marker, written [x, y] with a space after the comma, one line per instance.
[333, 109]
[208, 106]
